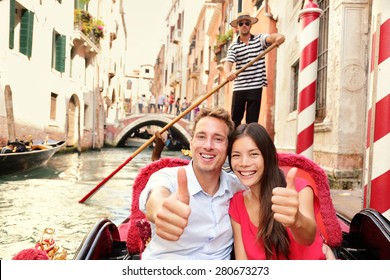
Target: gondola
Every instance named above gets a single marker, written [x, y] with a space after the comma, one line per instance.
[28, 158]
[365, 237]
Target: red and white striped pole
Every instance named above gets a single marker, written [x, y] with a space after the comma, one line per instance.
[377, 157]
[309, 17]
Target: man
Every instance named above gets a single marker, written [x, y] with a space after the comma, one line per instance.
[152, 104]
[194, 223]
[160, 103]
[171, 101]
[247, 88]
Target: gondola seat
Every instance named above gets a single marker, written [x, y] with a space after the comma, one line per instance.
[368, 238]
[100, 242]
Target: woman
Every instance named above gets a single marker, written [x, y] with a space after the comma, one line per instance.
[177, 105]
[273, 218]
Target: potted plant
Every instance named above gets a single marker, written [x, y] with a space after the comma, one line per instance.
[223, 39]
[90, 27]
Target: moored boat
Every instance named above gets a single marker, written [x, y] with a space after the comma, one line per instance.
[32, 157]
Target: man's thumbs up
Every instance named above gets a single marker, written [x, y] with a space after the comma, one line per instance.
[182, 188]
[173, 213]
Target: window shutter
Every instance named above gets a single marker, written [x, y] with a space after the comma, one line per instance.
[11, 24]
[26, 32]
[60, 53]
[79, 5]
[30, 33]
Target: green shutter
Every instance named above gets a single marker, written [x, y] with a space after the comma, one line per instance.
[11, 24]
[79, 5]
[60, 53]
[30, 33]
[26, 32]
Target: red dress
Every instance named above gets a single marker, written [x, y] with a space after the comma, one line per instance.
[255, 249]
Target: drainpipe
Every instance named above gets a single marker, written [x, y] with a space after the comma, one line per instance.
[94, 92]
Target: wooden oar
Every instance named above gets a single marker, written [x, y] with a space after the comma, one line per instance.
[165, 128]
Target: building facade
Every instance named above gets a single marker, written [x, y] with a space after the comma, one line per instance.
[342, 85]
[53, 79]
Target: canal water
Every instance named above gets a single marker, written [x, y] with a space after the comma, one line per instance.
[48, 197]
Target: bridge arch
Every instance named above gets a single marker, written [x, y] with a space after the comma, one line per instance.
[178, 130]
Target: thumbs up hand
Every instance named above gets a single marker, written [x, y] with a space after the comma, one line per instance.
[182, 188]
[172, 217]
[285, 201]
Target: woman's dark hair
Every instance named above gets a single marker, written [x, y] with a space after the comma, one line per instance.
[272, 233]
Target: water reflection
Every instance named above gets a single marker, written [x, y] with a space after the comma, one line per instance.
[48, 197]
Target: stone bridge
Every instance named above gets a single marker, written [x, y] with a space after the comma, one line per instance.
[117, 133]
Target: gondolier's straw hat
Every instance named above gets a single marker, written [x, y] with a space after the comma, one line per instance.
[243, 16]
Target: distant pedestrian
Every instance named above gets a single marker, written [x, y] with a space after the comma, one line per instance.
[152, 104]
[177, 106]
[196, 111]
[166, 104]
[161, 102]
[141, 102]
[171, 101]
[184, 106]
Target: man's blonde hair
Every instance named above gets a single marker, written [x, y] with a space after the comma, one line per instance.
[218, 113]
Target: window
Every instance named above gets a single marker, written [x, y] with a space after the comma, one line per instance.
[129, 84]
[178, 24]
[58, 59]
[171, 33]
[79, 4]
[294, 93]
[53, 106]
[258, 3]
[239, 6]
[86, 115]
[72, 62]
[21, 28]
[322, 71]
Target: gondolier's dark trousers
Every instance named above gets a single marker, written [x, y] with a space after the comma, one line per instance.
[249, 100]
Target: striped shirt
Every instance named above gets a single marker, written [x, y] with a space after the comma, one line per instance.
[241, 54]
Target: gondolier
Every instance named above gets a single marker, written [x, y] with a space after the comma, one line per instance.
[247, 89]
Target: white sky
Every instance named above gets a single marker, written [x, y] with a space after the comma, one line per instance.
[145, 21]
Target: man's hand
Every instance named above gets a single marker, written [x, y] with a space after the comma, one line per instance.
[276, 38]
[231, 76]
[159, 146]
[172, 217]
[285, 201]
[279, 39]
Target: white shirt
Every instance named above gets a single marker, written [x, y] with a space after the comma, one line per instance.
[208, 234]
